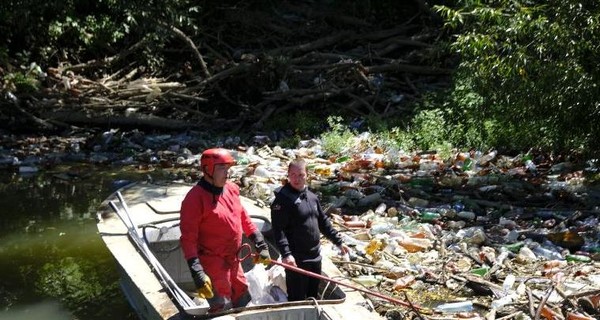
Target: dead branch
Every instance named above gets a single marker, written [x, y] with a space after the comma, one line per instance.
[181, 35]
[315, 45]
[106, 61]
[400, 67]
[186, 97]
[133, 120]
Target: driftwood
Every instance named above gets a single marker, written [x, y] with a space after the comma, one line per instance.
[130, 120]
[337, 63]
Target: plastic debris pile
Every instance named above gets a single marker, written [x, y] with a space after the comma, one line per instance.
[479, 236]
[476, 236]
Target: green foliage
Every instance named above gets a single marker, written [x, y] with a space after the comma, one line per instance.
[338, 138]
[20, 82]
[394, 139]
[75, 282]
[429, 129]
[54, 31]
[23, 81]
[526, 74]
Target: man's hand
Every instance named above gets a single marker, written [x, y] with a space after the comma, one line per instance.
[344, 249]
[289, 260]
[203, 285]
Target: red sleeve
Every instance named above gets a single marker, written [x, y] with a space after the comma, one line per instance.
[190, 217]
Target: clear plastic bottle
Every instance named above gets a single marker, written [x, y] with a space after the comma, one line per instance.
[380, 210]
[380, 228]
[545, 253]
[452, 307]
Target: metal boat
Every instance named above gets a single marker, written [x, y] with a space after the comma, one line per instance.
[140, 227]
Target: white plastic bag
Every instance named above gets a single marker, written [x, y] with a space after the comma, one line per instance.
[259, 286]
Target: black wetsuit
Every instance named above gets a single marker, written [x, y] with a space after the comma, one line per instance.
[298, 221]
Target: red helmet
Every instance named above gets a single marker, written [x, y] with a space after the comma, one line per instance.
[212, 157]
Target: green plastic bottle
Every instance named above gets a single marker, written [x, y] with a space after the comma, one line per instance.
[480, 271]
[428, 216]
[515, 247]
[577, 258]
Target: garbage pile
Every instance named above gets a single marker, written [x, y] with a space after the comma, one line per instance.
[479, 236]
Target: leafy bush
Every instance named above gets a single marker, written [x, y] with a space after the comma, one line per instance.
[528, 68]
[338, 138]
[429, 129]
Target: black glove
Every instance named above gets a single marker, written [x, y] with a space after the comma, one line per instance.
[261, 247]
[201, 279]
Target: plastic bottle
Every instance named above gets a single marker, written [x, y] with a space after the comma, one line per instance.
[452, 307]
[499, 303]
[480, 271]
[342, 159]
[508, 283]
[467, 164]
[374, 245]
[380, 210]
[577, 316]
[459, 206]
[428, 216]
[515, 247]
[380, 228]
[544, 252]
[349, 240]
[530, 166]
[415, 244]
[578, 258]
[468, 215]
[403, 282]
[368, 280]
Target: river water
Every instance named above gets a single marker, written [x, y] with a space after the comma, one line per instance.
[53, 263]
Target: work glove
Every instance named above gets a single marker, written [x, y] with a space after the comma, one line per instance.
[262, 248]
[201, 279]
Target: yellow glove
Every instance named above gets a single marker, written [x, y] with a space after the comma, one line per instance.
[262, 248]
[206, 292]
[201, 279]
[263, 257]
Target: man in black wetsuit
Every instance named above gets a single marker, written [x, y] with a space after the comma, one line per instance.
[298, 221]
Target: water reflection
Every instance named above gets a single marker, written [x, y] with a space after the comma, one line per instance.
[53, 264]
[50, 310]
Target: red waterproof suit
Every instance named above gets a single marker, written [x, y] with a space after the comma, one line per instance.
[211, 229]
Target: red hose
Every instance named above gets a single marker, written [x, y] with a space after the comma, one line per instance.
[322, 277]
[318, 276]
